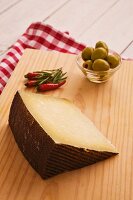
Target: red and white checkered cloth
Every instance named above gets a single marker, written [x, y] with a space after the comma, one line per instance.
[37, 36]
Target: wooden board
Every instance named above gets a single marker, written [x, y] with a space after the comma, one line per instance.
[108, 105]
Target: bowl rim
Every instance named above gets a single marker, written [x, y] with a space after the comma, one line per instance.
[92, 71]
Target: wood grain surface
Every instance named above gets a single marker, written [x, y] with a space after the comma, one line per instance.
[87, 21]
[108, 105]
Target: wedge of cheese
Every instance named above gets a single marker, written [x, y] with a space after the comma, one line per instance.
[54, 135]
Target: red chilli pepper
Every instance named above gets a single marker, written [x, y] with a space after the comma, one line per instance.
[32, 75]
[50, 86]
[31, 83]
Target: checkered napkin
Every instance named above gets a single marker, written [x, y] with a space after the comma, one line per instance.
[37, 36]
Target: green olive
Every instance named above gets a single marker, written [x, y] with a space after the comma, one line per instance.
[102, 44]
[86, 53]
[99, 53]
[113, 60]
[88, 64]
[100, 65]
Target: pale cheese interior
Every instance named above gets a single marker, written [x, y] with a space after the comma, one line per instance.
[64, 122]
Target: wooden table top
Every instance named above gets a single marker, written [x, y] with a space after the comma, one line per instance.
[86, 21]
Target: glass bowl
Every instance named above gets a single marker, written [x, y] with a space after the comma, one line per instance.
[97, 76]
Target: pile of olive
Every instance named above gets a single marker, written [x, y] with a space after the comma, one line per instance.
[99, 58]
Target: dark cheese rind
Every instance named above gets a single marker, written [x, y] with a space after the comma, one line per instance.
[45, 156]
